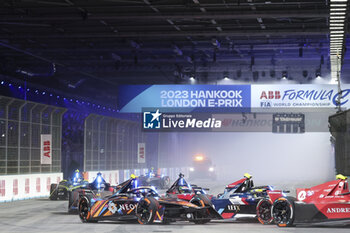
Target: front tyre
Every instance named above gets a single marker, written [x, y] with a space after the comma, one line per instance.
[263, 211]
[146, 210]
[84, 211]
[282, 212]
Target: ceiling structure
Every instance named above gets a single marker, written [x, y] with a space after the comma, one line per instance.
[84, 45]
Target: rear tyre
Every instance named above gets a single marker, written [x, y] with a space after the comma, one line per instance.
[282, 212]
[53, 192]
[146, 210]
[84, 211]
[263, 211]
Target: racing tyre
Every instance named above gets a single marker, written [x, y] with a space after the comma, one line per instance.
[282, 212]
[202, 201]
[53, 192]
[146, 210]
[84, 211]
[263, 211]
[165, 182]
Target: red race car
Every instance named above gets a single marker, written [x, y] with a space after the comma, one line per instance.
[325, 202]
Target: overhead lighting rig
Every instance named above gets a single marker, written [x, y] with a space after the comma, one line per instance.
[337, 28]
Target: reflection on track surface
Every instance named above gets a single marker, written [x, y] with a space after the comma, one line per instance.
[42, 215]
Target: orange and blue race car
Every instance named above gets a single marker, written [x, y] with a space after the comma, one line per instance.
[324, 203]
[131, 202]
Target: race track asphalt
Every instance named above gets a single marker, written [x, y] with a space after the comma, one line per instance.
[43, 215]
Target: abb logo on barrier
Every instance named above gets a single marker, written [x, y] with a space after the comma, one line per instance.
[27, 187]
[48, 183]
[269, 95]
[15, 187]
[38, 185]
[2, 188]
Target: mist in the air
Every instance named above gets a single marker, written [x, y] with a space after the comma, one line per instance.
[279, 158]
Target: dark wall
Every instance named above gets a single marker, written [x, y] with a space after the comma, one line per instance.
[72, 142]
[340, 130]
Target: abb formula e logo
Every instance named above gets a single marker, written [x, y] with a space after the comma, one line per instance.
[269, 95]
[266, 96]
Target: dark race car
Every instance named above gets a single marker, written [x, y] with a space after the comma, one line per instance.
[242, 197]
[185, 191]
[98, 188]
[328, 202]
[154, 179]
[65, 187]
[131, 202]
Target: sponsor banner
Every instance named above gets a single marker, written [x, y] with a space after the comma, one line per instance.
[141, 152]
[46, 149]
[298, 96]
[244, 122]
[185, 98]
[231, 98]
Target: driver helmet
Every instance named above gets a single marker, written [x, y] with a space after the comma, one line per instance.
[77, 176]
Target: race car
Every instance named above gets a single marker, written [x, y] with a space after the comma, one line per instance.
[239, 197]
[131, 202]
[202, 168]
[322, 203]
[154, 179]
[185, 191]
[62, 190]
[242, 197]
[99, 188]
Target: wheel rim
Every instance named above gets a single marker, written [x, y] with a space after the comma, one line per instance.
[143, 213]
[264, 211]
[83, 210]
[281, 212]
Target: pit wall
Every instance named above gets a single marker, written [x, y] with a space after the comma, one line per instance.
[20, 187]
